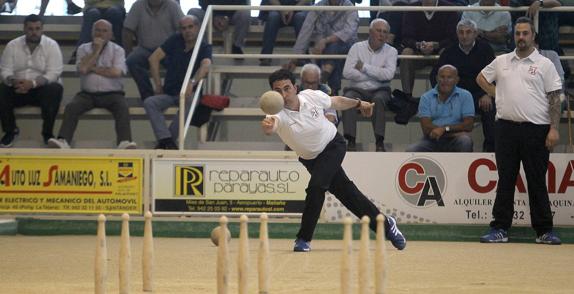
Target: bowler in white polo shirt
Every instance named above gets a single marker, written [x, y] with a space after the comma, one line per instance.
[321, 149]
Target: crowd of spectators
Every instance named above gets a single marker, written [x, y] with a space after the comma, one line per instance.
[155, 33]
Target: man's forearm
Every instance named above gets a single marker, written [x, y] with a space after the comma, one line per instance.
[343, 103]
[554, 108]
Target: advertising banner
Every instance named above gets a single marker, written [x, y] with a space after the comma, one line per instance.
[70, 185]
[448, 188]
[182, 186]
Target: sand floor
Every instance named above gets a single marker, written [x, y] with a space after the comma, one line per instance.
[65, 264]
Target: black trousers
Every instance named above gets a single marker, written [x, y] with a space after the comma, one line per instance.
[328, 175]
[47, 97]
[516, 143]
[487, 119]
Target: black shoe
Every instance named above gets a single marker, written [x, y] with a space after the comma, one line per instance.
[380, 143]
[8, 139]
[73, 8]
[237, 50]
[265, 62]
[166, 144]
[351, 145]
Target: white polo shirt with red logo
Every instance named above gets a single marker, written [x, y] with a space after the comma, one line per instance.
[522, 85]
[307, 131]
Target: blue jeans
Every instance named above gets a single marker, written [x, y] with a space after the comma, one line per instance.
[138, 65]
[462, 142]
[274, 23]
[115, 15]
[154, 107]
[338, 48]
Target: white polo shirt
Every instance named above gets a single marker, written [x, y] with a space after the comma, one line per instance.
[307, 131]
[521, 86]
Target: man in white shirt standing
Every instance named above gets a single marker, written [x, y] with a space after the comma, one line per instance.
[527, 94]
[31, 66]
[303, 127]
[370, 66]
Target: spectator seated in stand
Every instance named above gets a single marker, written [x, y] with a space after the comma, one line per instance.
[223, 18]
[175, 54]
[470, 55]
[111, 10]
[148, 24]
[425, 33]
[101, 65]
[71, 7]
[334, 32]
[394, 18]
[446, 114]
[494, 27]
[274, 20]
[30, 69]
[370, 67]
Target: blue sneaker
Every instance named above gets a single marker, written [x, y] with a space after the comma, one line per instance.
[302, 246]
[549, 238]
[394, 235]
[495, 236]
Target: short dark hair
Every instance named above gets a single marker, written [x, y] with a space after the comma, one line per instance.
[280, 75]
[525, 19]
[33, 18]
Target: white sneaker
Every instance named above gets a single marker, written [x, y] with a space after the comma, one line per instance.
[58, 143]
[127, 145]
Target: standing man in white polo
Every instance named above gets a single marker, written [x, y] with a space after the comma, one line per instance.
[527, 94]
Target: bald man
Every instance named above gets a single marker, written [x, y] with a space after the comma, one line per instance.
[101, 65]
[446, 113]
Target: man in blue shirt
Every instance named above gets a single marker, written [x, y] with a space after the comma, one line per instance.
[175, 54]
[447, 116]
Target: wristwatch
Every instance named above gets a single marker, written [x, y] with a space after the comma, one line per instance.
[447, 129]
[358, 103]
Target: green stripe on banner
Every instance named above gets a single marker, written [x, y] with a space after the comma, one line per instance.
[202, 229]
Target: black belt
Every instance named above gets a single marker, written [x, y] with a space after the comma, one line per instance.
[515, 122]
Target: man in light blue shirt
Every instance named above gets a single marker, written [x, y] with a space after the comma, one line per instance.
[447, 116]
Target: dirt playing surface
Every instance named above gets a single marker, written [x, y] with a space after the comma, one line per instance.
[65, 264]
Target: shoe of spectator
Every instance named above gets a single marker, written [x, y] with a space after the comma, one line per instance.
[166, 144]
[8, 139]
[549, 238]
[393, 234]
[380, 148]
[127, 145]
[351, 146]
[380, 144]
[47, 138]
[302, 246]
[495, 236]
[73, 8]
[237, 50]
[265, 62]
[60, 143]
